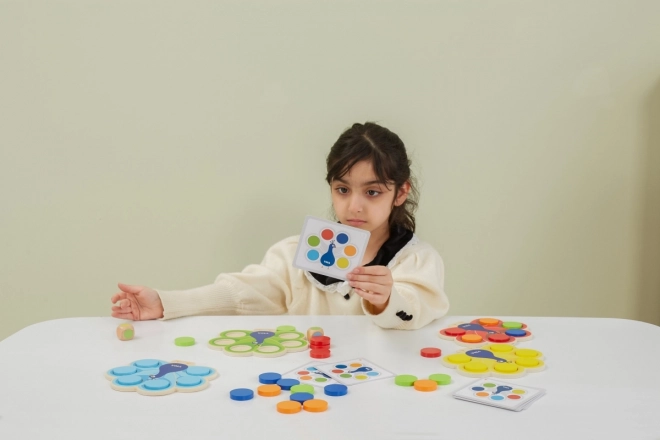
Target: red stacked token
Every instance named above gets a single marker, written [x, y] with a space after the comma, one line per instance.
[320, 347]
[430, 352]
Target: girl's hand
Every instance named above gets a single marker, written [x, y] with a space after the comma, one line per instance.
[374, 284]
[138, 303]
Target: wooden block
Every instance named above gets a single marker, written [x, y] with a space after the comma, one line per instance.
[314, 331]
[125, 332]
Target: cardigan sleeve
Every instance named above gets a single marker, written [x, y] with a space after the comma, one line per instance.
[260, 289]
[418, 296]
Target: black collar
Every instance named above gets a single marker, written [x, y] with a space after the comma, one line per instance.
[399, 237]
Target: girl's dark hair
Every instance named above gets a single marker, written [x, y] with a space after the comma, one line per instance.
[387, 153]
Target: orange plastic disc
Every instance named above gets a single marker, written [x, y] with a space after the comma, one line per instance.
[426, 385]
[289, 407]
[315, 405]
[269, 390]
[471, 338]
[489, 321]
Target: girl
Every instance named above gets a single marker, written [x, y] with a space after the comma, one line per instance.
[399, 284]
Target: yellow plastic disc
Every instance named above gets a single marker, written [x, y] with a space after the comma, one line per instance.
[458, 358]
[488, 321]
[315, 405]
[506, 368]
[269, 390]
[425, 385]
[528, 362]
[475, 367]
[471, 338]
[289, 407]
[500, 348]
[527, 352]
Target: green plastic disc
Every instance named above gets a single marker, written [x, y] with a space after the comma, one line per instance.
[302, 388]
[184, 341]
[440, 379]
[511, 325]
[405, 380]
[286, 328]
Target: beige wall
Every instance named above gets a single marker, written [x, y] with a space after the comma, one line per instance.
[162, 142]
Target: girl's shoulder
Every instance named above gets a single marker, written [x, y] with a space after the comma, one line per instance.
[415, 249]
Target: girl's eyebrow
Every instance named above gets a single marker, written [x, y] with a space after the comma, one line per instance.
[371, 182]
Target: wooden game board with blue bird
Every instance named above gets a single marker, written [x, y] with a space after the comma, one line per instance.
[483, 331]
[154, 377]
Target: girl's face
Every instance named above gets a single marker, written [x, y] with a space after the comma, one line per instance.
[360, 200]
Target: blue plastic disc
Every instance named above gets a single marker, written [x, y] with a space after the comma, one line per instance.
[199, 371]
[188, 381]
[269, 378]
[147, 363]
[335, 390]
[124, 371]
[515, 332]
[286, 384]
[241, 394]
[128, 381]
[157, 384]
[301, 397]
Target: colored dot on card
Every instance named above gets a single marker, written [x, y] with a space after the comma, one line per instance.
[327, 234]
[342, 238]
[342, 263]
[489, 385]
[337, 370]
[305, 377]
[313, 254]
[340, 366]
[513, 396]
[345, 375]
[350, 250]
[477, 388]
[303, 372]
[497, 397]
[516, 391]
[355, 364]
[361, 377]
[313, 241]
[320, 379]
[482, 394]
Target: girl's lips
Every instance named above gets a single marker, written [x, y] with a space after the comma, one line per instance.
[355, 222]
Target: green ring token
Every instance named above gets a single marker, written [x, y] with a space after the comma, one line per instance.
[184, 341]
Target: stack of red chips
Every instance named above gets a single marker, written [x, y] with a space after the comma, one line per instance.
[320, 347]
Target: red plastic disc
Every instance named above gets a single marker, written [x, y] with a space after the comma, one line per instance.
[319, 353]
[430, 352]
[498, 337]
[454, 331]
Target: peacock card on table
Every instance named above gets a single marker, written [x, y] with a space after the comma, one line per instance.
[330, 248]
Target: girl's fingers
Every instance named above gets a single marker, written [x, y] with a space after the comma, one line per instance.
[122, 315]
[369, 287]
[117, 296]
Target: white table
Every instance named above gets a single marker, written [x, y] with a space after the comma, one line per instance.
[602, 382]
